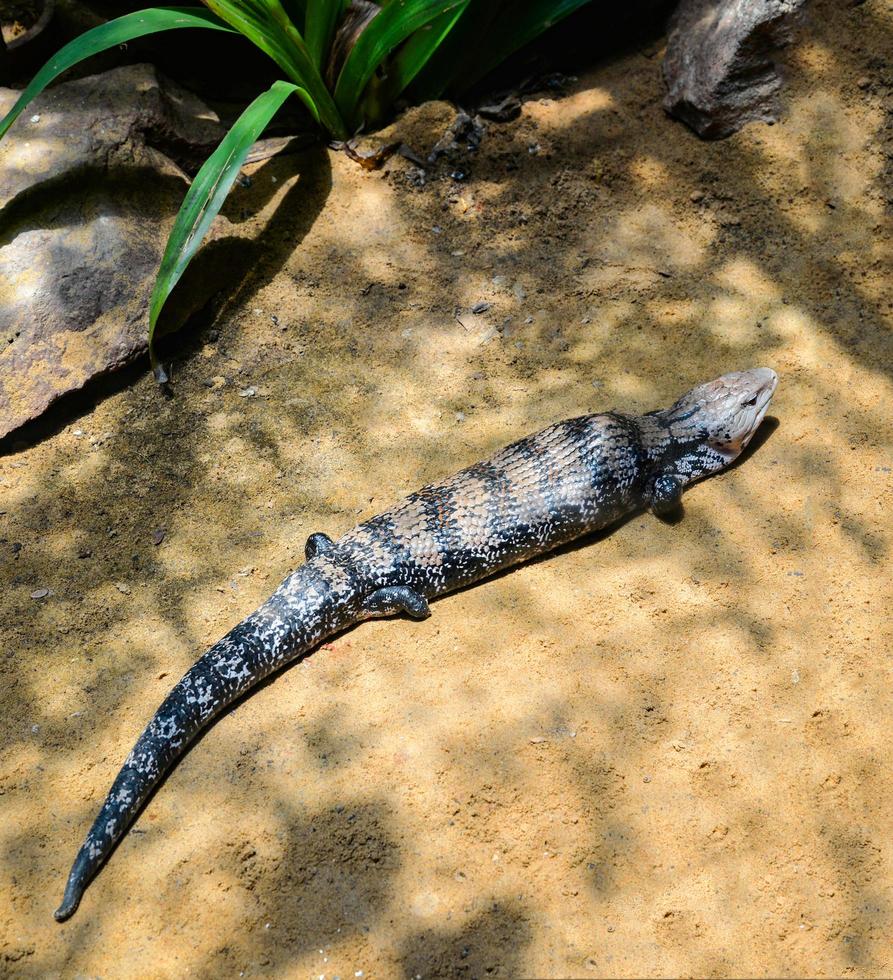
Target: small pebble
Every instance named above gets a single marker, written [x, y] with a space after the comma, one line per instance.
[481, 307]
[646, 779]
[863, 84]
[248, 393]
[40, 593]
[696, 197]
[158, 536]
[36, 117]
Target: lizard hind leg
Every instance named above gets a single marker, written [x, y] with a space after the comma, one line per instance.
[396, 599]
[318, 544]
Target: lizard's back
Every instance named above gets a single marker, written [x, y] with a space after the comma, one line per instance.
[548, 488]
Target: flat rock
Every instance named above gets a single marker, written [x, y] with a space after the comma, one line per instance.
[91, 178]
[719, 65]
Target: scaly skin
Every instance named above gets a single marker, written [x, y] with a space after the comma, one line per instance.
[570, 479]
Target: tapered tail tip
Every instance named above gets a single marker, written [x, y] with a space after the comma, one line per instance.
[70, 901]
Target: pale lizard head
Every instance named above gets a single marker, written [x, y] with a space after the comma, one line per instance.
[721, 416]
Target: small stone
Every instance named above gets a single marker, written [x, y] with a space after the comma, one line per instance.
[538, 740]
[122, 588]
[481, 307]
[646, 779]
[36, 117]
[863, 83]
[247, 393]
[213, 336]
[158, 536]
[519, 292]
[460, 416]
[696, 197]
[40, 593]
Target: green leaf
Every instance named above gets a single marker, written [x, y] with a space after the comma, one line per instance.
[417, 51]
[462, 44]
[396, 22]
[266, 24]
[410, 58]
[107, 36]
[207, 194]
[515, 26]
[319, 28]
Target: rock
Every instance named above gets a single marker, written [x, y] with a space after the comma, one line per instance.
[718, 67]
[91, 177]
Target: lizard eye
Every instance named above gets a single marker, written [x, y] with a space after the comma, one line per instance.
[751, 401]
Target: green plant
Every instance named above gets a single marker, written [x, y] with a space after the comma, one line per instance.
[417, 47]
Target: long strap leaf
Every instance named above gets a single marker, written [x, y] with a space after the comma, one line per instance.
[266, 24]
[396, 22]
[466, 41]
[207, 194]
[107, 36]
[319, 28]
[412, 57]
[515, 26]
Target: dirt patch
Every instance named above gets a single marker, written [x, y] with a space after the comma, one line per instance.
[666, 752]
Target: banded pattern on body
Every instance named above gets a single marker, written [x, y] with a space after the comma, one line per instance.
[569, 479]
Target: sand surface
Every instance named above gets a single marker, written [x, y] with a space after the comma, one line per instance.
[666, 752]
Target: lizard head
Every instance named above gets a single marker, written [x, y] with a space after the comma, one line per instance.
[718, 419]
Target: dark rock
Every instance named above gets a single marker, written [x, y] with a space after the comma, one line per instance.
[718, 67]
[91, 177]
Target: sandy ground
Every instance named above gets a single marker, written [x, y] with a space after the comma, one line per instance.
[665, 752]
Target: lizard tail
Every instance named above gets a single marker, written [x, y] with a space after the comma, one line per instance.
[313, 602]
